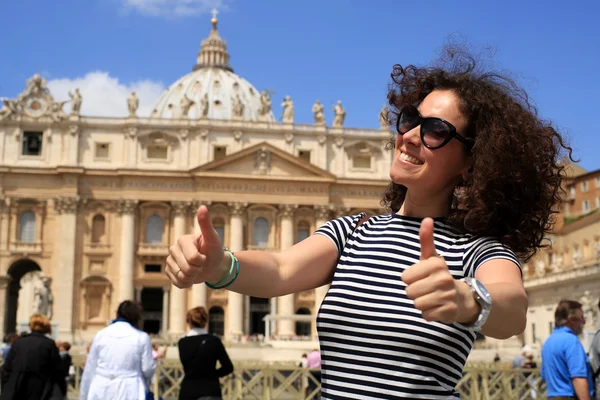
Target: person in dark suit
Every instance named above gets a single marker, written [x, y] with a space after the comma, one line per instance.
[33, 368]
[67, 360]
[199, 353]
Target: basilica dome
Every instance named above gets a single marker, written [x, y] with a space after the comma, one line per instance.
[212, 90]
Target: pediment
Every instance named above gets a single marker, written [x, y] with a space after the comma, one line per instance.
[263, 159]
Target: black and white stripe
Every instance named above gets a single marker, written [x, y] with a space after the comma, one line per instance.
[374, 343]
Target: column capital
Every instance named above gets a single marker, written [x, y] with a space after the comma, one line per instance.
[181, 207]
[237, 209]
[67, 204]
[197, 203]
[323, 212]
[341, 211]
[287, 210]
[126, 206]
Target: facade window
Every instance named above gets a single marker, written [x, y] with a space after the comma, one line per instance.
[154, 229]
[572, 192]
[584, 186]
[219, 226]
[102, 150]
[597, 181]
[304, 154]
[157, 152]
[98, 228]
[152, 268]
[585, 206]
[303, 327]
[260, 233]
[361, 161]
[303, 231]
[32, 144]
[216, 321]
[597, 202]
[219, 152]
[27, 227]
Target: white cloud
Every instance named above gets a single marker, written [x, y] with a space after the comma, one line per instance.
[173, 8]
[105, 96]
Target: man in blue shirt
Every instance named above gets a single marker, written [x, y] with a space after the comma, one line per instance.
[565, 366]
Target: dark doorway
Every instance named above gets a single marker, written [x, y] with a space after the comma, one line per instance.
[16, 272]
[303, 327]
[216, 321]
[259, 307]
[152, 310]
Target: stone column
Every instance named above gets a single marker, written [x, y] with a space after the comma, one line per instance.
[126, 208]
[285, 304]
[165, 314]
[322, 214]
[131, 146]
[178, 306]
[199, 292]
[4, 280]
[64, 282]
[235, 301]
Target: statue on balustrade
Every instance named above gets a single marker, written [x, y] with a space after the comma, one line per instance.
[132, 104]
[339, 115]
[588, 308]
[318, 113]
[577, 257]
[76, 101]
[288, 110]
[204, 105]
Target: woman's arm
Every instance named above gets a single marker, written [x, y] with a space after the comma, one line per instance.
[502, 278]
[307, 265]
[226, 365]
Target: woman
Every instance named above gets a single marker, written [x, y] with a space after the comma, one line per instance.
[474, 180]
[199, 353]
[119, 364]
[33, 368]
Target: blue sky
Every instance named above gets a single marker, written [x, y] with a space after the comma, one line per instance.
[327, 49]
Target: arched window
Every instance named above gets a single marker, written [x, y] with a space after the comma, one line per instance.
[261, 232]
[98, 228]
[216, 321]
[154, 229]
[303, 327]
[303, 231]
[27, 227]
[219, 226]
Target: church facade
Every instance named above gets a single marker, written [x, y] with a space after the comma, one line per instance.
[90, 205]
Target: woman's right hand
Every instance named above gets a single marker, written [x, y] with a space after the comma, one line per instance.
[196, 259]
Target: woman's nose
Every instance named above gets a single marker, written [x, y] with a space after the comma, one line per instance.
[413, 136]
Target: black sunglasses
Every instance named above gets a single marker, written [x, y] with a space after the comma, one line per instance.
[435, 132]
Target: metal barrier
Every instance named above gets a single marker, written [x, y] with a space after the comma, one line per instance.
[284, 381]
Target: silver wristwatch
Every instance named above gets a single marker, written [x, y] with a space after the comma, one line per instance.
[483, 298]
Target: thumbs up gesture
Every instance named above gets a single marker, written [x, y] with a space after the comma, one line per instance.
[429, 282]
[196, 259]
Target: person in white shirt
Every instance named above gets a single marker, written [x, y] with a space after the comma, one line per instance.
[120, 363]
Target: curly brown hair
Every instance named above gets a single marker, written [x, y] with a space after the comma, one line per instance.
[514, 184]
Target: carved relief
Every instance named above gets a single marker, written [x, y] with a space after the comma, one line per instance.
[158, 139]
[237, 135]
[262, 161]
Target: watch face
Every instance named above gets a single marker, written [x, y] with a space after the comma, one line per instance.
[483, 292]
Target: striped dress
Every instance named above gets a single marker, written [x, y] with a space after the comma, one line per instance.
[374, 342]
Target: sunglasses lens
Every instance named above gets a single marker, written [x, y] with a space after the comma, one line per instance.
[435, 132]
[409, 118]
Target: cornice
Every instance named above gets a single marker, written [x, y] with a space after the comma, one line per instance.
[557, 279]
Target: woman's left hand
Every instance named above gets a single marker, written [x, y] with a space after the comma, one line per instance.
[434, 290]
